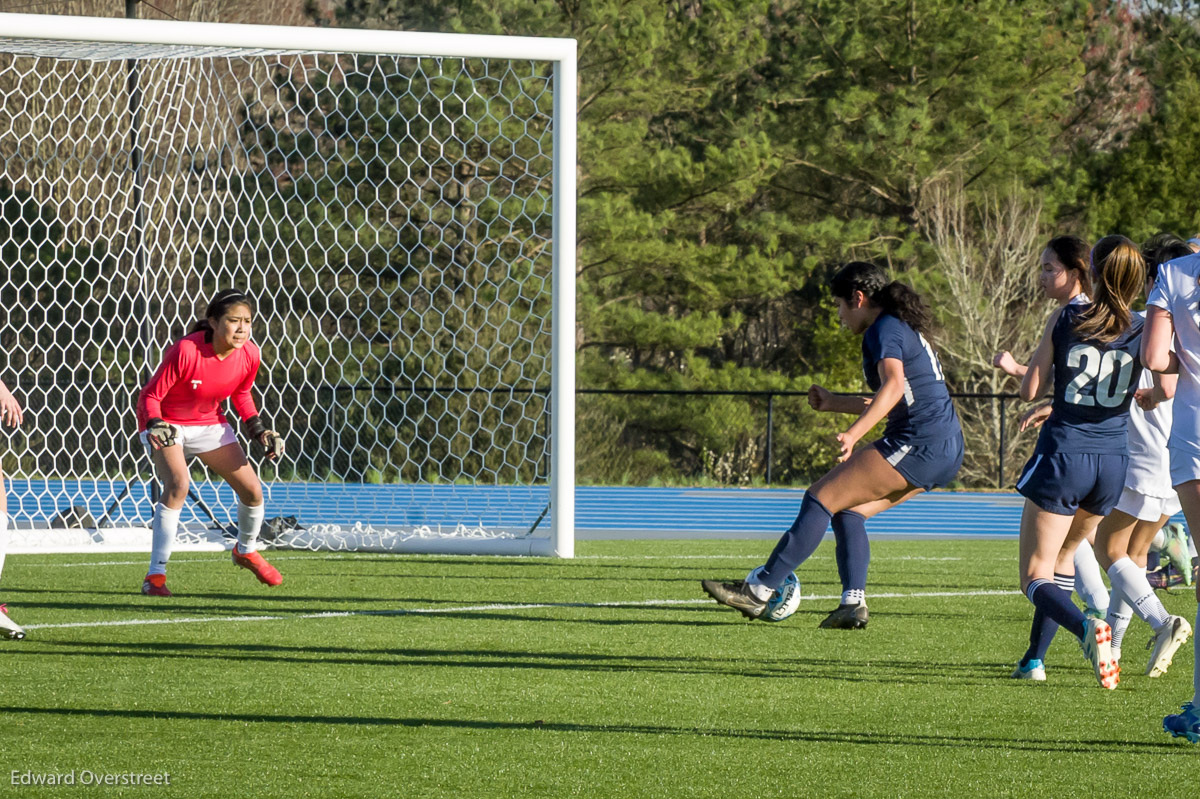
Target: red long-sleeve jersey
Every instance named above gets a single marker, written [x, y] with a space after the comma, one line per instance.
[192, 382]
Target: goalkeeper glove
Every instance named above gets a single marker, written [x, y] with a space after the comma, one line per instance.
[272, 442]
[160, 433]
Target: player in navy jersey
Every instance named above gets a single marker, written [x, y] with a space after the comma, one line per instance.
[1065, 276]
[1077, 471]
[1124, 536]
[921, 447]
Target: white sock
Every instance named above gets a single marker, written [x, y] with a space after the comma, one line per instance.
[854, 596]
[1119, 616]
[1191, 545]
[163, 529]
[1160, 539]
[1130, 579]
[1088, 581]
[3, 538]
[250, 519]
[761, 592]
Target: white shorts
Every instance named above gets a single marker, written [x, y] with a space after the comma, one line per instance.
[198, 438]
[1147, 508]
[1185, 466]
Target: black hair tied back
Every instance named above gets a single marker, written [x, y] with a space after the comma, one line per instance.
[218, 306]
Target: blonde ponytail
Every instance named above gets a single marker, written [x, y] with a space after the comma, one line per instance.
[1119, 274]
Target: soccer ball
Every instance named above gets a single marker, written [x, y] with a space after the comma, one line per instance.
[784, 601]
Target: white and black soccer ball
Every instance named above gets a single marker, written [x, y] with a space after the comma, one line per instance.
[784, 601]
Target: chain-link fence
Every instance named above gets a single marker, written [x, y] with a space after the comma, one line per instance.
[760, 437]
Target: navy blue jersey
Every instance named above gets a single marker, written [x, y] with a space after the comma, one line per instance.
[1093, 387]
[925, 413]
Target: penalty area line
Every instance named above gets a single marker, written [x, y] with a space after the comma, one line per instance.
[342, 614]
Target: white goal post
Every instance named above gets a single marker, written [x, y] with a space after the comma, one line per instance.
[401, 207]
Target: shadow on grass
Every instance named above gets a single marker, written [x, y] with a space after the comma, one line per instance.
[1097, 746]
[223, 603]
[661, 575]
[479, 608]
[789, 668]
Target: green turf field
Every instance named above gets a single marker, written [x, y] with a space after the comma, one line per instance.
[609, 675]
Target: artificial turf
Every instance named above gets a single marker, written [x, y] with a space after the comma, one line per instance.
[607, 675]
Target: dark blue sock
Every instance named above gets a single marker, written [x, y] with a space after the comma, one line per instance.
[1152, 561]
[1040, 635]
[800, 541]
[853, 550]
[1056, 603]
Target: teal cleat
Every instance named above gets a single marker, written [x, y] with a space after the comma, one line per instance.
[1033, 670]
[1185, 724]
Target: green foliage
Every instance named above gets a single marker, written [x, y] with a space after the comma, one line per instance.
[892, 97]
[1146, 186]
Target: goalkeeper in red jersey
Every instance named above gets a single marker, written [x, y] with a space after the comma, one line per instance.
[179, 416]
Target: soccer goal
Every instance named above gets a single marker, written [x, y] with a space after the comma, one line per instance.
[401, 207]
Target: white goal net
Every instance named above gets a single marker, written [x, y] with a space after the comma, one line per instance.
[400, 207]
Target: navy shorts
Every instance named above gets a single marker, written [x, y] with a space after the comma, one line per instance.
[926, 466]
[1063, 482]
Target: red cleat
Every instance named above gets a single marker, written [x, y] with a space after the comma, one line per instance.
[265, 572]
[8, 627]
[156, 585]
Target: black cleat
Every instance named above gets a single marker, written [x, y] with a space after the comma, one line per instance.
[737, 596]
[847, 617]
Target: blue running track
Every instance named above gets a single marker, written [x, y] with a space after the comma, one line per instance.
[767, 513]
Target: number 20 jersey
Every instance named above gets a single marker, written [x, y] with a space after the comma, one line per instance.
[1093, 388]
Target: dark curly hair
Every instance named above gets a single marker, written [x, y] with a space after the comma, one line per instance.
[894, 297]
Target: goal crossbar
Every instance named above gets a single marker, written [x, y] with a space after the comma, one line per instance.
[226, 38]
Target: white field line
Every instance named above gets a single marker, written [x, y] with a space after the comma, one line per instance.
[477, 608]
[383, 556]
